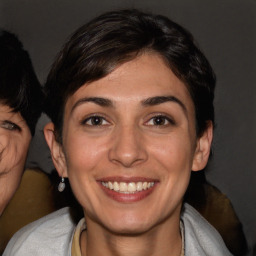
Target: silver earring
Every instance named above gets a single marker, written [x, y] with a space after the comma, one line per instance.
[62, 185]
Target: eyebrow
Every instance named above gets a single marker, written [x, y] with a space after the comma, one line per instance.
[162, 99]
[103, 102]
[152, 101]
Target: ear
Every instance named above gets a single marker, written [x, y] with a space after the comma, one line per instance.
[203, 149]
[58, 156]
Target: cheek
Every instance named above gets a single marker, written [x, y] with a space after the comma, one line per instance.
[84, 160]
[175, 152]
[3, 142]
[173, 160]
[174, 157]
[12, 163]
[83, 154]
[8, 153]
[13, 152]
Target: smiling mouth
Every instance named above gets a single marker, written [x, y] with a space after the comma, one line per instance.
[128, 187]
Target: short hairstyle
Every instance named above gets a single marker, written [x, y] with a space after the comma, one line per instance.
[116, 37]
[19, 86]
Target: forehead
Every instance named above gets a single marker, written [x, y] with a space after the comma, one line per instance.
[145, 76]
[6, 110]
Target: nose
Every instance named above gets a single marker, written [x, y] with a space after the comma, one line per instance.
[128, 147]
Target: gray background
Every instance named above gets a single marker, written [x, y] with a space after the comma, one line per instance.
[226, 32]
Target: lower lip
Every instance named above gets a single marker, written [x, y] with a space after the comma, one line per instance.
[127, 198]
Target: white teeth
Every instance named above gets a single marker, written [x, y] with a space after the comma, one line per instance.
[116, 186]
[105, 184]
[123, 187]
[145, 185]
[130, 187]
[139, 186]
[110, 185]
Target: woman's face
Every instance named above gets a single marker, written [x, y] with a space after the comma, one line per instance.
[15, 137]
[129, 144]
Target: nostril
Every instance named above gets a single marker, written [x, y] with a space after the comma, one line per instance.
[127, 159]
[127, 164]
[127, 147]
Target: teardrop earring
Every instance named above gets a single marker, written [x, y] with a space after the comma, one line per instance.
[61, 185]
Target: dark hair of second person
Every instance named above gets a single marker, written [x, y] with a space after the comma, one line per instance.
[21, 101]
[19, 88]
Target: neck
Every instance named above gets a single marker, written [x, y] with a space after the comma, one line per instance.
[164, 240]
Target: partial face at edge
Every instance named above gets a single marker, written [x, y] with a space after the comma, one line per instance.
[133, 130]
[15, 138]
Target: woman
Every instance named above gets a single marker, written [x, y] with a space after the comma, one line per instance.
[20, 108]
[130, 97]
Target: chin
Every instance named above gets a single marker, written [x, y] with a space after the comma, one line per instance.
[128, 225]
[128, 230]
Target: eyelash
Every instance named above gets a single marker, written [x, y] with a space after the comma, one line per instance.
[10, 126]
[103, 122]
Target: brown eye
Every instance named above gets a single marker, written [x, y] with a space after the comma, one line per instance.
[95, 121]
[160, 120]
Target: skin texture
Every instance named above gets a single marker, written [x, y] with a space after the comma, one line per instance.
[15, 138]
[137, 137]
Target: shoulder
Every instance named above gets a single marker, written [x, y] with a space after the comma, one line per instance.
[200, 237]
[50, 235]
